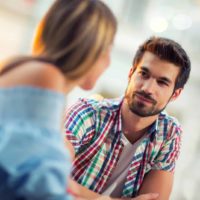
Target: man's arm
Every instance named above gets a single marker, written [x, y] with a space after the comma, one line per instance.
[80, 118]
[158, 181]
[83, 193]
[160, 178]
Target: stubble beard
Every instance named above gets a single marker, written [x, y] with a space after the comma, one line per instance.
[139, 108]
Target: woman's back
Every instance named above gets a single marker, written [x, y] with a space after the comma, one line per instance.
[34, 163]
[74, 35]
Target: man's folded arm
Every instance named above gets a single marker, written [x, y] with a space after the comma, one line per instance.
[158, 181]
[85, 194]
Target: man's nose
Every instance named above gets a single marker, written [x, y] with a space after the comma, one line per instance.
[148, 86]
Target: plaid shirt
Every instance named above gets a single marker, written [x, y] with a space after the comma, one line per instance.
[95, 130]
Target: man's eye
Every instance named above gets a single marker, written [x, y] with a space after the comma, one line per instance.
[162, 82]
[143, 73]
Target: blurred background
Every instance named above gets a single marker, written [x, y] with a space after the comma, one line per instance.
[138, 20]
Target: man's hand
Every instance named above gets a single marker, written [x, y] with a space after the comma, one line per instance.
[150, 196]
[82, 193]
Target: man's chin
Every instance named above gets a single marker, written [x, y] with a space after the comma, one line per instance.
[141, 113]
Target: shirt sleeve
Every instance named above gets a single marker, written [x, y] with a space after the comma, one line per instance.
[34, 162]
[169, 151]
[80, 123]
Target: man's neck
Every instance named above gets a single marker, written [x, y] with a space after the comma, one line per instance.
[134, 126]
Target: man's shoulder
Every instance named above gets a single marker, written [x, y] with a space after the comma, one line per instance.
[164, 117]
[169, 124]
[101, 104]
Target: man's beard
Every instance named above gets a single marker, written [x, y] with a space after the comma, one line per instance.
[141, 109]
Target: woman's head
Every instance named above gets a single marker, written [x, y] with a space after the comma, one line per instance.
[74, 35]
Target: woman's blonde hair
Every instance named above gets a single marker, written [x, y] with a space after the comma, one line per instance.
[74, 33]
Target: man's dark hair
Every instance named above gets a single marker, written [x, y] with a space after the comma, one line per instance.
[168, 50]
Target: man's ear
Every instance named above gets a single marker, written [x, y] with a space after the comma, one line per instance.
[176, 93]
[130, 73]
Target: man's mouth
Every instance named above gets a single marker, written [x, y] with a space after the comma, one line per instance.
[144, 98]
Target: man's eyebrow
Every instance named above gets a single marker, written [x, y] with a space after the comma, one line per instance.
[167, 80]
[144, 68]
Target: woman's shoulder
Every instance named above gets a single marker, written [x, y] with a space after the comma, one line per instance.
[36, 74]
[46, 75]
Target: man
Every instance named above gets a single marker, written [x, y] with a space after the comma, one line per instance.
[129, 146]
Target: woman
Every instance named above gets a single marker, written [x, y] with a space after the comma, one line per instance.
[71, 48]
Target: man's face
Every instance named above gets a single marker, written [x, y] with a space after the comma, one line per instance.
[151, 86]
